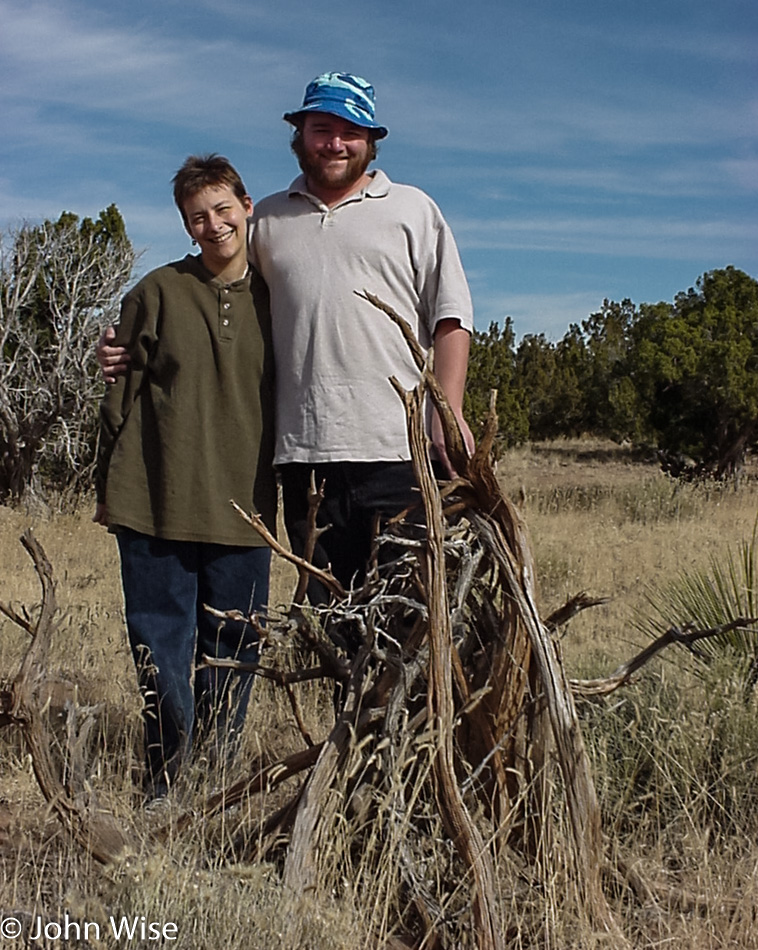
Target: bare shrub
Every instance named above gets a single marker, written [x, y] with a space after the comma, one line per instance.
[59, 283]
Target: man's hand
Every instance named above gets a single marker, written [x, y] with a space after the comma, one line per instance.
[101, 514]
[113, 360]
[438, 441]
[451, 347]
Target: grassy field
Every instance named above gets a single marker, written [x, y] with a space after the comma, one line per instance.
[674, 754]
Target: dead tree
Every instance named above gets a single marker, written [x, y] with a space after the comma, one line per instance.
[60, 283]
[455, 701]
[65, 789]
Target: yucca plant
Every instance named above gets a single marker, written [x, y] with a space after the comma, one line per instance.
[709, 599]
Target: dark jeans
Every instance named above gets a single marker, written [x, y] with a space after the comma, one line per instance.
[355, 494]
[166, 583]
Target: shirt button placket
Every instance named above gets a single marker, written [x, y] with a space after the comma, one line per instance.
[225, 313]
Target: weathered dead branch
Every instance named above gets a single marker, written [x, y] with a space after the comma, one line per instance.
[96, 831]
[685, 636]
[494, 515]
[578, 603]
[454, 444]
[315, 497]
[445, 667]
[304, 566]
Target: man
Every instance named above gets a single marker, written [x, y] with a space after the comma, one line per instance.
[340, 229]
[188, 428]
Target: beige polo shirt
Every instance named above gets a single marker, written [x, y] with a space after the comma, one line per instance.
[334, 351]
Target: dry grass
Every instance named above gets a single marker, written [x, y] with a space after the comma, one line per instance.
[602, 522]
[674, 754]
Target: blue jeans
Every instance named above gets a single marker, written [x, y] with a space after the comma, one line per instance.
[166, 583]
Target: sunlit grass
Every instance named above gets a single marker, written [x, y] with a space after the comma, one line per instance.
[674, 754]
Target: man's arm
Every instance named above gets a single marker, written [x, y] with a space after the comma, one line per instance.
[101, 514]
[113, 360]
[451, 348]
[135, 324]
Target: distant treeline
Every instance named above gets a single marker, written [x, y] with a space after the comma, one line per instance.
[679, 379]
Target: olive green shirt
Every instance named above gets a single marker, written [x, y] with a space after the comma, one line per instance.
[191, 425]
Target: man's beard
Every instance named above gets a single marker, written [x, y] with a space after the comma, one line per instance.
[351, 172]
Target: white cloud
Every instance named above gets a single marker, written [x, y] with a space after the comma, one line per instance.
[701, 177]
[83, 59]
[659, 237]
[690, 42]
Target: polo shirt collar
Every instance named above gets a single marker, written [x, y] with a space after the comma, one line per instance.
[378, 187]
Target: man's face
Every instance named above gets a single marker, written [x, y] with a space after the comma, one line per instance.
[336, 153]
[217, 219]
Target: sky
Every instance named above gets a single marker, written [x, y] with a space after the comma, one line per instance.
[580, 150]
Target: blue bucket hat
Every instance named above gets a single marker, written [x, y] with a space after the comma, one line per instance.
[343, 95]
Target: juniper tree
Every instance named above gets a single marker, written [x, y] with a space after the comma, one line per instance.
[60, 282]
